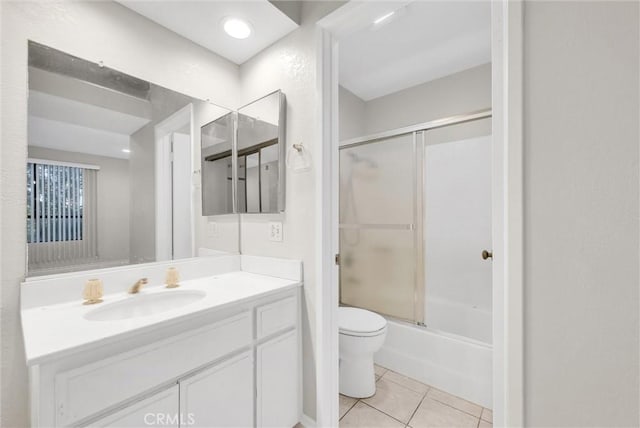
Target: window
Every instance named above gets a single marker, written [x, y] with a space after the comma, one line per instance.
[61, 213]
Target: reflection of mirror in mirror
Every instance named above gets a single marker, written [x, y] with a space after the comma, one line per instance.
[260, 148]
[110, 168]
[217, 166]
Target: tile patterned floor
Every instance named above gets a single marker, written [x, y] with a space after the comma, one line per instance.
[404, 402]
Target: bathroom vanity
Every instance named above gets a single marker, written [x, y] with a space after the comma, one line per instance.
[222, 349]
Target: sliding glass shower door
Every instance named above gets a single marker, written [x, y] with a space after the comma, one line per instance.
[457, 228]
[378, 208]
[415, 216]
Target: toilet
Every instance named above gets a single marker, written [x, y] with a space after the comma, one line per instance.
[362, 334]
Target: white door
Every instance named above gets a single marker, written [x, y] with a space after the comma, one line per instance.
[181, 196]
[277, 382]
[221, 396]
[159, 410]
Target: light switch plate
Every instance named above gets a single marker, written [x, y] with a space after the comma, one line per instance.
[212, 229]
[275, 231]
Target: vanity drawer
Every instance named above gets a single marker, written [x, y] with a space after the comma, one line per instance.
[276, 316]
[89, 389]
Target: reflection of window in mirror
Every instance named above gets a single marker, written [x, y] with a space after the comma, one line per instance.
[61, 212]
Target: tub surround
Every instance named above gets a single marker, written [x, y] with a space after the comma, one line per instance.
[245, 327]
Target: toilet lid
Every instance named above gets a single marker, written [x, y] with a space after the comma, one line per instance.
[355, 320]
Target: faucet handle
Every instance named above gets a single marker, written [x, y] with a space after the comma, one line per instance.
[135, 289]
[93, 291]
[173, 278]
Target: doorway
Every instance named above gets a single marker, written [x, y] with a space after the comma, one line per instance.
[506, 185]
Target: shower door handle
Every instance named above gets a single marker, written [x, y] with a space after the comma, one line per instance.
[487, 255]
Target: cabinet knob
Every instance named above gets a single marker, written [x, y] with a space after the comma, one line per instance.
[487, 255]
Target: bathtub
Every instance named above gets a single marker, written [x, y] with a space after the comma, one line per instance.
[458, 365]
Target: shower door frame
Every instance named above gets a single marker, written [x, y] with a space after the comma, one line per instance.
[418, 134]
[507, 31]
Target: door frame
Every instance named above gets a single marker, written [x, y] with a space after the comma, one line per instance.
[507, 205]
[163, 180]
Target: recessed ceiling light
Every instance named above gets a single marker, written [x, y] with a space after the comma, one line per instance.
[237, 28]
[126, 151]
[383, 18]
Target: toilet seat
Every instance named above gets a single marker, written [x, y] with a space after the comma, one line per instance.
[360, 322]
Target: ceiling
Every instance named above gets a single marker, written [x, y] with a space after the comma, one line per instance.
[53, 134]
[76, 116]
[422, 41]
[201, 22]
[85, 114]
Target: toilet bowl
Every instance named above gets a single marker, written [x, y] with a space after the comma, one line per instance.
[362, 334]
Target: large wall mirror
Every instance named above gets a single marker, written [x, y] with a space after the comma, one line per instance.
[243, 153]
[111, 164]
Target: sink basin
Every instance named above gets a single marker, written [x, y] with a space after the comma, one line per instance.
[144, 305]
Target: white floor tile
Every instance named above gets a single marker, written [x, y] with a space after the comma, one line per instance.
[364, 416]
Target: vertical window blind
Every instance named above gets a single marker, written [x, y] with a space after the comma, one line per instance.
[61, 214]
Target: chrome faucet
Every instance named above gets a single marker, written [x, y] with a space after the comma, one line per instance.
[137, 286]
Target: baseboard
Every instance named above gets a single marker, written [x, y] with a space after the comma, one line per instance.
[307, 422]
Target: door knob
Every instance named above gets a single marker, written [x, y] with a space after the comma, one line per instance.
[487, 255]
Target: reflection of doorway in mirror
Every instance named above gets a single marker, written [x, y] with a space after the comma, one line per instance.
[174, 227]
[181, 197]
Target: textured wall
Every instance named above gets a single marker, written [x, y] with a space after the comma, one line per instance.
[290, 65]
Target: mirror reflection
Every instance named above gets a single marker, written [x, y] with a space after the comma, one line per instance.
[260, 153]
[110, 172]
[217, 166]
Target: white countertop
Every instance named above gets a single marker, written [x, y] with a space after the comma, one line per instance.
[51, 331]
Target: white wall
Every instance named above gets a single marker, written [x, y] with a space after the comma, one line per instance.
[581, 213]
[352, 115]
[96, 31]
[112, 202]
[290, 65]
[459, 93]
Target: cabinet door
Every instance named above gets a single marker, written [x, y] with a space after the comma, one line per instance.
[277, 382]
[221, 396]
[158, 410]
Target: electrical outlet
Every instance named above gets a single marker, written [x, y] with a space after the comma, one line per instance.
[275, 231]
[212, 229]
